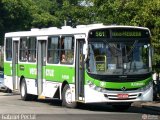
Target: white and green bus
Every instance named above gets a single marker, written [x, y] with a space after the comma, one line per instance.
[89, 64]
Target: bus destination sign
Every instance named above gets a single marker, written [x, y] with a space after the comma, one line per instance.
[119, 33]
[129, 33]
[126, 34]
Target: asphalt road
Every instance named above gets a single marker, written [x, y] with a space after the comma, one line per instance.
[12, 107]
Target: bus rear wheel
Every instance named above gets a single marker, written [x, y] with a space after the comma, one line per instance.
[67, 97]
[23, 91]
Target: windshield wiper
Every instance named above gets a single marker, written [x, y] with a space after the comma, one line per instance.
[112, 47]
[127, 57]
[133, 47]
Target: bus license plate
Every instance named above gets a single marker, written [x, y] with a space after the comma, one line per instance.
[122, 96]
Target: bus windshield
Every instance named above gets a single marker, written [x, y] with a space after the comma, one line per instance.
[118, 58]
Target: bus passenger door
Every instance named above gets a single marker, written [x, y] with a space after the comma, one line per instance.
[41, 63]
[79, 82]
[15, 64]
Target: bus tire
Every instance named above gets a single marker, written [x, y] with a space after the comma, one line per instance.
[121, 107]
[23, 91]
[66, 98]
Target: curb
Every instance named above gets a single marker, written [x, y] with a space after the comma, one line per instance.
[154, 108]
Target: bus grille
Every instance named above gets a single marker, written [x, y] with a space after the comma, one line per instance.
[121, 89]
[115, 96]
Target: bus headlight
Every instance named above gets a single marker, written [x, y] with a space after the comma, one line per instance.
[94, 87]
[90, 83]
[146, 87]
[98, 89]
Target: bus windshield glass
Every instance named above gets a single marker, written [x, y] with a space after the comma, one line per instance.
[118, 58]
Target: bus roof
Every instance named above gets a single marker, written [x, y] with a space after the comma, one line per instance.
[64, 30]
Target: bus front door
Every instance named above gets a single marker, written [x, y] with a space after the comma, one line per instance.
[41, 63]
[14, 64]
[79, 82]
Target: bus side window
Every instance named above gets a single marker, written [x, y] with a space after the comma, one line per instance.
[23, 49]
[8, 49]
[67, 50]
[62, 51]
[32, 49]
[53, 50]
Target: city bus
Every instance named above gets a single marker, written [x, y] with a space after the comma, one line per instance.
[93, 63]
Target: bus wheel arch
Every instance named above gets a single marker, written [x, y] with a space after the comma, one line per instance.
[63, 85]
[66, 96]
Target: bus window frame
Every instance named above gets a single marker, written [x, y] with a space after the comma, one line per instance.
[66, 50]
[28, 49]
[23, 50]
[8, 49]
[52, 49]
[32, 49]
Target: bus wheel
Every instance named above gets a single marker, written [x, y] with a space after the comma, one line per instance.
[23, 91]
[67, 97]
[121, 107]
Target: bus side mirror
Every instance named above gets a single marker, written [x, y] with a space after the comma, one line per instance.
[84, 49]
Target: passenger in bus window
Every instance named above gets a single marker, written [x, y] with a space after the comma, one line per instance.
[63, 58]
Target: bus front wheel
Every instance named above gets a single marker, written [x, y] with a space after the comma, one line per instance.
[67, 97]
[23, 91]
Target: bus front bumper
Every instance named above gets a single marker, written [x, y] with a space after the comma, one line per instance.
[92, 95]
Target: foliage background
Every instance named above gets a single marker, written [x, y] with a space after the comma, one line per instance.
[20, 15]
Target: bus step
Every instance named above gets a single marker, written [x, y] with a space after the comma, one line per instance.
[15, 91]
[41, 97]
[81, 98]
[80, 101]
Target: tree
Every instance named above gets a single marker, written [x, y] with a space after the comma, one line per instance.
[15, 16]
[18, 15]
[149, 16]
[144, 13]
[44, 13]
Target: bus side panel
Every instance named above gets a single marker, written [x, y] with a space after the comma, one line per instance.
[8, 75]
[29, 72]
[60, 73]
[50, 88]
[55, 76]
[8, 68]
[31, 86]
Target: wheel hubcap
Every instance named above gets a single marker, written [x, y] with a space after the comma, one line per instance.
[23, 90]
[68, 96]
